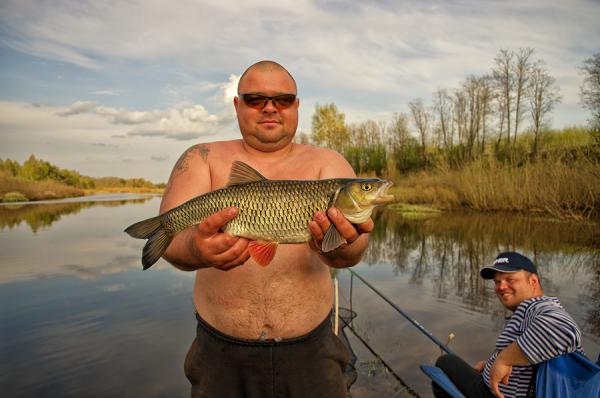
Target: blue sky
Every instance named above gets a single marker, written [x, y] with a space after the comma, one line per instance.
[123, 87]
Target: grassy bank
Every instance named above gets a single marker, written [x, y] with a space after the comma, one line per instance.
[95, 191]
[563, 189]
[15, 189]
[37, 179]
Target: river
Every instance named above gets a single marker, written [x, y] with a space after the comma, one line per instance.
[78, 317]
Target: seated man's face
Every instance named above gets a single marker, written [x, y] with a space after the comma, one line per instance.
[514, 287]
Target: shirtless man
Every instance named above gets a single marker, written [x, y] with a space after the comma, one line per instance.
[262, 331]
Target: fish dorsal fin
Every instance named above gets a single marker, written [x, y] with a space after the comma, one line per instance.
[241, 173]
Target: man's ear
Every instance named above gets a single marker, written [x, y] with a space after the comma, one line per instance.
[534, 280]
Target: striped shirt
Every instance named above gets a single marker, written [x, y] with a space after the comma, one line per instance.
[543, 330]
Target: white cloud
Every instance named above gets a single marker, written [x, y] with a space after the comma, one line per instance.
[64, 135]
[77, 108]
[229, 89]
[114, 93]
[176, 123]
[370, 58]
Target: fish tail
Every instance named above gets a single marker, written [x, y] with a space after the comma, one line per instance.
[158, 239]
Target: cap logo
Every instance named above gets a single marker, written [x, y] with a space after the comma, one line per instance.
[501, 260]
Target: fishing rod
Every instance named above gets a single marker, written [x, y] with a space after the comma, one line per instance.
[405, 315]
[405, 386]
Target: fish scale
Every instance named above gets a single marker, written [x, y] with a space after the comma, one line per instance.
[269, 211]
[274, 210]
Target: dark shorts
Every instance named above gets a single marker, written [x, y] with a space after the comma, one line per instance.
[222, 366]
[464, 376]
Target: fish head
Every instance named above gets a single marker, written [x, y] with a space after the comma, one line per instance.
[359, 196]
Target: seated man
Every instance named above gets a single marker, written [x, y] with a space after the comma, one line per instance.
[539, 329]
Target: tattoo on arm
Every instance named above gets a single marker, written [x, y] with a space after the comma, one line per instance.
[183, 163]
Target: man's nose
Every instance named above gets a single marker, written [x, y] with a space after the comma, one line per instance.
[501, 285]
[269, 106]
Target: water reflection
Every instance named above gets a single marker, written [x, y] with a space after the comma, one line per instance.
[76, 307]
[430, 268]
[450, 249]
[38, 216]
[78, 238]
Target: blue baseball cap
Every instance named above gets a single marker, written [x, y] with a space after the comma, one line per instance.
[508, 262]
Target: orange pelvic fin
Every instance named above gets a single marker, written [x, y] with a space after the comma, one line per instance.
[262, 252]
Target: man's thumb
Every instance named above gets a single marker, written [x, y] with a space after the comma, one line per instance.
[212, 224]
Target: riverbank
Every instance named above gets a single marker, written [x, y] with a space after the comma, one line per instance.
[37, 179]
[565, 190]
[565, 185]
[16, 189]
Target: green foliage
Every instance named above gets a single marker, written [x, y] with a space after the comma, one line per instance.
[329, 127]
[367, 159]
[14, 197]
[590, 90]
[10, 167]
[34, 169]
[409, 156]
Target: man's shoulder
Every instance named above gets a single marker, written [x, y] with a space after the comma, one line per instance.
[546, 307]
[320, 151]
[204, 148]
[208, 152]
[330, 163]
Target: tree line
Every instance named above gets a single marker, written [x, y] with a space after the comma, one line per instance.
[34, 169]
[502, 113]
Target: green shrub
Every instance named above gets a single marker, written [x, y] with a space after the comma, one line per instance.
[14, 197]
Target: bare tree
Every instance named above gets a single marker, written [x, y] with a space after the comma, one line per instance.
[365, 134]
[398, 132]
[522, 72]
[590, 90]
[543, 97]
[421, 118]
[460, 115]
[442, 104]
[472, 109]
[486, 94]
[471, 93]
[504, 81]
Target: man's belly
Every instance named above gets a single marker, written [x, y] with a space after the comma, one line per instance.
[288, 298]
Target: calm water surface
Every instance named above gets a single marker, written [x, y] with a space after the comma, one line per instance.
[79, 318]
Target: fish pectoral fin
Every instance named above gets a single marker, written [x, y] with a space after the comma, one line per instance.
[332, 239]
[241, 173]
[262, 252]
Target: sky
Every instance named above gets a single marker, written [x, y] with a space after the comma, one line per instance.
[122, 88]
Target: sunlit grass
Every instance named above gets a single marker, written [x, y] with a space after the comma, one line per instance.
[37, 190]
[564, 190]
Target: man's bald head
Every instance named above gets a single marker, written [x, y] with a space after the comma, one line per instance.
[265, 66]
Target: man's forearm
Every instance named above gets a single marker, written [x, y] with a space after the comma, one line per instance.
[346, 255]
[513, 355]
[181, 252]
[502, 367]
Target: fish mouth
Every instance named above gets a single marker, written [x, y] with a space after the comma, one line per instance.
[384, 198]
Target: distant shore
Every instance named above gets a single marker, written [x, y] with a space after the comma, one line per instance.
[37, 179]
[40, 191]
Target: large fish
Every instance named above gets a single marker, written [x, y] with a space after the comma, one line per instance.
[270, 211]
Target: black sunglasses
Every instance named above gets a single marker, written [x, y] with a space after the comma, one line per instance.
[259, 101]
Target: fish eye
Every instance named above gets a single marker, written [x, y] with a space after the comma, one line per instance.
[366, 186]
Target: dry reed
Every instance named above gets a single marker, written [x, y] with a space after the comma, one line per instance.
[564, 190]
[37, 190]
